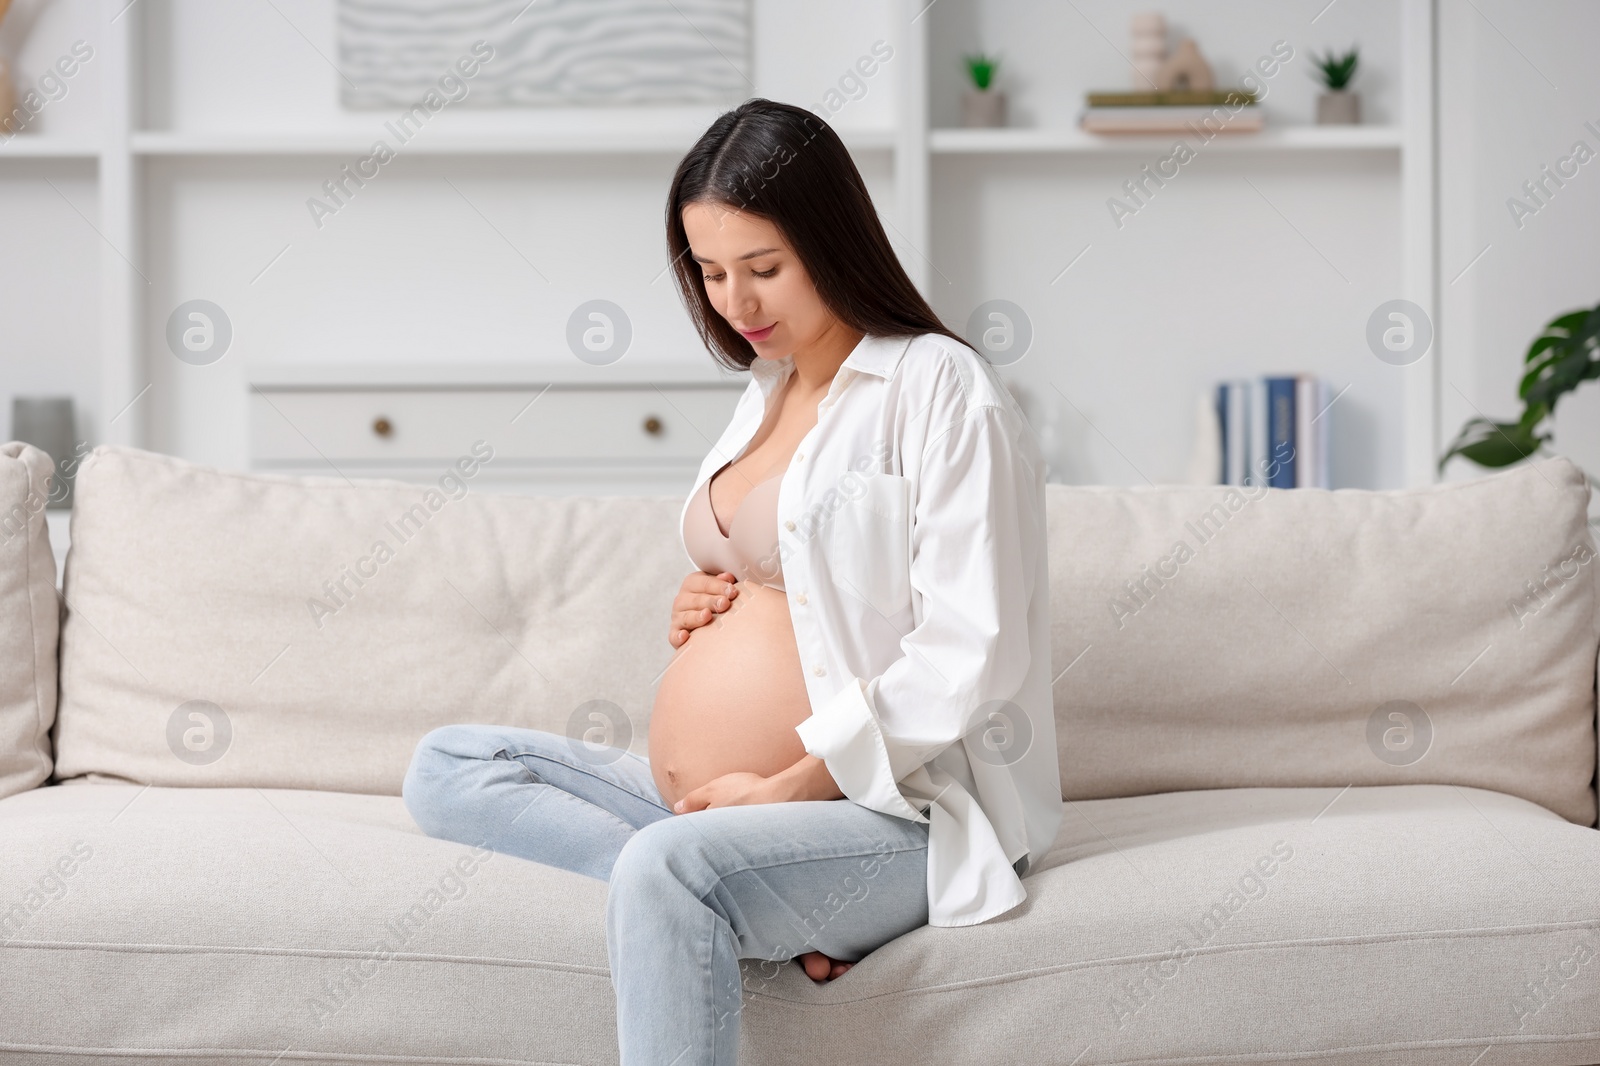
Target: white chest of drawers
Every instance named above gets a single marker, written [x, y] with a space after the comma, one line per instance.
[559, 428]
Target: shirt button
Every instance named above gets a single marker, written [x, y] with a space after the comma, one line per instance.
[800, 598]
[799, 456]
[788, 525]
[819, 670]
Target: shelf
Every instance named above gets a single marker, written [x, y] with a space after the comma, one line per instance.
[1283, 138]
[643, 142]
[26, 146]
[290, 376]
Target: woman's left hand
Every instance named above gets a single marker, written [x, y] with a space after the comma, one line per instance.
[729, 790]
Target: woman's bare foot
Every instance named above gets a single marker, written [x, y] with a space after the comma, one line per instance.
[820, 967]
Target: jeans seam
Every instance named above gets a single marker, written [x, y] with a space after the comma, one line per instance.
[807, 858]
[586, 773]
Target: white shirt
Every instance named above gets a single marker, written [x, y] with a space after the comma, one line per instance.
[912, 539]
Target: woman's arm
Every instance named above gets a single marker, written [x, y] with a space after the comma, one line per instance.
[977, 550]
[807, 779]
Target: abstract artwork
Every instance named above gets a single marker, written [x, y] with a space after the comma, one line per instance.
[545, 52]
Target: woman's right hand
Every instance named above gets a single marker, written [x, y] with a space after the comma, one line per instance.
[702, 597]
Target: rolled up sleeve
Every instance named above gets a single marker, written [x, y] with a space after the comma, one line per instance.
[977, 530]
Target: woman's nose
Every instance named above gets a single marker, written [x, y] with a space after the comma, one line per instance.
[741, 300]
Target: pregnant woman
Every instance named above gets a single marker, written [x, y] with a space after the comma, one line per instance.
[854, 737]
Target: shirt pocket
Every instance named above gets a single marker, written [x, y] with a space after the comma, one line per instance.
[869, 543]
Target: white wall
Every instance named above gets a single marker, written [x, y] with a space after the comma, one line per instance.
[1518, 82]
[438, 259]
[1248, 262]
[49, 214]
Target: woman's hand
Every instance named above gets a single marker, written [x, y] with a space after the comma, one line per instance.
[808, 779]
[730, 790]
[702, 596]
[738, 788]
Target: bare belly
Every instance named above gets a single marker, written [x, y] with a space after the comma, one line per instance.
[731, 697]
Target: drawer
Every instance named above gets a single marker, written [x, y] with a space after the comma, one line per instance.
[565, 425]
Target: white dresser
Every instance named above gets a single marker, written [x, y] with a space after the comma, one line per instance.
[559, 428]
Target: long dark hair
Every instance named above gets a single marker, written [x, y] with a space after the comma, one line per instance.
[786, 165]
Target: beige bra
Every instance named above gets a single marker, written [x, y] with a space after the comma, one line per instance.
[750, 550]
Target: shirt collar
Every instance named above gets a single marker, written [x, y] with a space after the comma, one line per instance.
[873, 355]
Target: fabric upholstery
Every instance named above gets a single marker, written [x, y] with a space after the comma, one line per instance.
[30, 617]
[1205, 639]
[1391, 924]
[1274, 654]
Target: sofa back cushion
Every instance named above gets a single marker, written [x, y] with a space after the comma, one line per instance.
[30, 617]
[304, 632]
[1214, 637]
[243, 629]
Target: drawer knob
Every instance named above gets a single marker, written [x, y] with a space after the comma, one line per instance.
[652, 426]
[382, 426]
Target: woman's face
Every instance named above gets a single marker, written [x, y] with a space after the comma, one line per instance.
[754, 279]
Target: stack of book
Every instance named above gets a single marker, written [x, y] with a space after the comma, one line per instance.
[1202, 113]
[1274, 432]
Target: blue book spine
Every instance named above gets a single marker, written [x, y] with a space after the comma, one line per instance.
[1281, 433]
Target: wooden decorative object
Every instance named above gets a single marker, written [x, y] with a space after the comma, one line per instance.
[8, 94]
[1186, 71]
[1148, 35]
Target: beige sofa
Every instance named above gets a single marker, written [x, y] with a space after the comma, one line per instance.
[1328, 761]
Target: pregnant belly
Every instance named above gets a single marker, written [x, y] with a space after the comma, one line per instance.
[731, 697]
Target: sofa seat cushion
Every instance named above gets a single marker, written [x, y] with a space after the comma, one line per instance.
[1379, 924]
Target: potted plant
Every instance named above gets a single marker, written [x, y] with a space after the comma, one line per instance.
[981, 103]
[1338, 106]
[1562, 357]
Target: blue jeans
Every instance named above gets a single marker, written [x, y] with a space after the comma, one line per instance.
[686, 891]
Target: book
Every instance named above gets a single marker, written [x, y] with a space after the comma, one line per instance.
[1256, 435]
[1271, 431]
[1233, 411]
[1305, 432]
[1324, 467]
[1169, 99]
[1203, 122]
[1281, 433]
[1223, 435]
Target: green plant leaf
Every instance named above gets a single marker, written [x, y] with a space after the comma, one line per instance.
[981, 68]
[1545, 340]
[1336, 70]
[1493, 444]
[1568, 322]
[1564, 355]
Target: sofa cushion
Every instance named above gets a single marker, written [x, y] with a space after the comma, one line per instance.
[227, 628]
[1223, 637]
[1416, 924]
[30, 617]
[230, 628]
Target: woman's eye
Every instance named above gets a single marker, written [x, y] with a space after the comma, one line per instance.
[757, 273]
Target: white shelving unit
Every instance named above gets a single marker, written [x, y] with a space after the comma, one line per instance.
[25, 147]
[124, 152]
[1306, 138]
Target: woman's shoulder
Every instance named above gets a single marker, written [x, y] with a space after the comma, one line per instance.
[938, 367]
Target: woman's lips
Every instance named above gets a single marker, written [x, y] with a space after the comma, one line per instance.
[760, 334]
